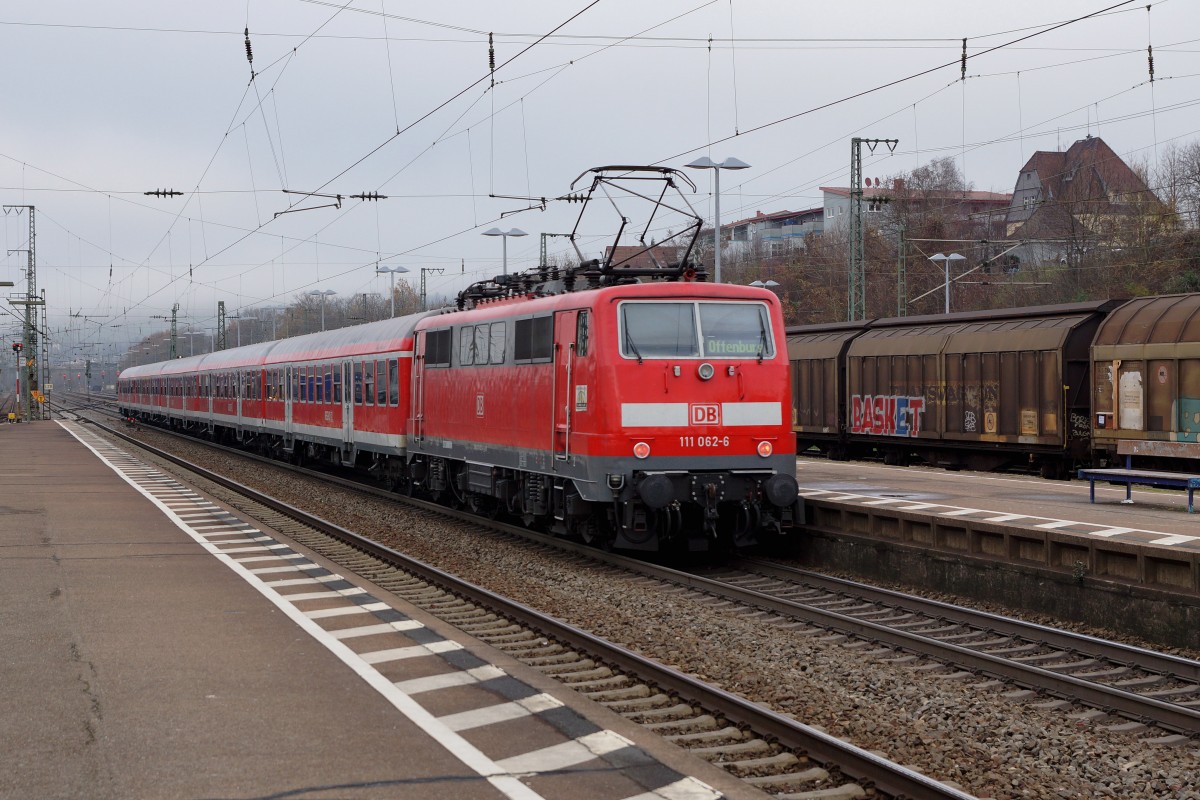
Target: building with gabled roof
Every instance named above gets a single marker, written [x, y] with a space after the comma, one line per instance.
[1067, 199]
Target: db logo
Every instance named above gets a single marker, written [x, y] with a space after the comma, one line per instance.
[705, 414]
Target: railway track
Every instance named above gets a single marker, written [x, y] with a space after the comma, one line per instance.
[766, 749]
[1144, 687]
[8, 405]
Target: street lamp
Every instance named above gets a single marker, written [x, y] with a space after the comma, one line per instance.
[768, 284]
[946, 260]
[322, 293]
[505, 235]
[391, 270]
[704, 162]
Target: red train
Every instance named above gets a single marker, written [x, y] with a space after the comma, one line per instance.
[633, 406]
[636, 415]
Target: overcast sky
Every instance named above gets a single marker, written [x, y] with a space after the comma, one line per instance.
[106, 101]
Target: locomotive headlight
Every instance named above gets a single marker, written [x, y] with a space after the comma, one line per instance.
[641, 450]
[765, 449]
[705, 371]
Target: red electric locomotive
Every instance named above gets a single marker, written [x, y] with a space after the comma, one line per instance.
[636, 414]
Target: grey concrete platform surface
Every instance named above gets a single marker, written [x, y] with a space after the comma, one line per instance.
[154, 645]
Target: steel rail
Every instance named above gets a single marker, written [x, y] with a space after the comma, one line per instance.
[1118, 652]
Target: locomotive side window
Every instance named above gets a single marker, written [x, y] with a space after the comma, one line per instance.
[533, 339]
[581, 334]
[481, 344]
[496, 336]
[437, 348]
[466, 346]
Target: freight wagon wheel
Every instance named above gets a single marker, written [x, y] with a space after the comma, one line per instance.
[1054, 471]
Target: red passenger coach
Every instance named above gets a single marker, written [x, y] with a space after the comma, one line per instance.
[338, 396]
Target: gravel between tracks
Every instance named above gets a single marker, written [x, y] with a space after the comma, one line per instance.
[946, 729]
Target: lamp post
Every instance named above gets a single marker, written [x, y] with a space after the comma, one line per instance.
[505, 235]
[704, 162]
[946, 261]
[392, 271]
[322, 293]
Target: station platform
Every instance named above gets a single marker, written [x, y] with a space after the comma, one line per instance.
[157, 645]
[1022, 541]
[1154, 517]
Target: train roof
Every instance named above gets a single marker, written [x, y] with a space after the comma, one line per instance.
[389, 334]
[1165, 319]
[1038, 327]
[516, 305]
[370, 338]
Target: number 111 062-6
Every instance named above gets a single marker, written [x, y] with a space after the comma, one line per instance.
[704, 441]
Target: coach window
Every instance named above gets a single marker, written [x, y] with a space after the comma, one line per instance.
[337, 384]
[369, 382]
[393, 382]
[358, 383]
[319, 383]
[381, 383]
[328, 383]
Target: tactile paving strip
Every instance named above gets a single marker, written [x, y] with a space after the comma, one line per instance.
[983, 515]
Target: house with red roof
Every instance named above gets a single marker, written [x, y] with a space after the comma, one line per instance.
[1064, 203]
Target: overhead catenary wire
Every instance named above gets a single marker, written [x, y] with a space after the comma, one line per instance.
[216, 257]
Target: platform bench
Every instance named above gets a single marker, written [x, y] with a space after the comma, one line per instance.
[1129, 477]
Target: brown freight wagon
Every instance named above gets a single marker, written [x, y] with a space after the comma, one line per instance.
[981, 390]
[1146, 383]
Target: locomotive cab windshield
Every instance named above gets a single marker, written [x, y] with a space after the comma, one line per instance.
[701, 329]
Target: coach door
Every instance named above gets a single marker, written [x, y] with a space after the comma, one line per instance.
[287, 407]
[565, 367]
[347, 401]
[417, 413]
